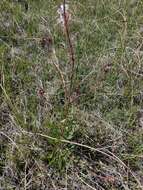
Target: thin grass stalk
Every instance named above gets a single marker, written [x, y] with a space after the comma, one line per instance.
[70, 49]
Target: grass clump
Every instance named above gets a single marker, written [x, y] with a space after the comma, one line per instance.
[71, 95]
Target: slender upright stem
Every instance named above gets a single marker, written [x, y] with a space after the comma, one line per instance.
[70, 47]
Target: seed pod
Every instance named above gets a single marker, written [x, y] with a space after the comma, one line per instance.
[46, 43]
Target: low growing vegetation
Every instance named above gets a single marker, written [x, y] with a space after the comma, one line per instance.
[71, 95]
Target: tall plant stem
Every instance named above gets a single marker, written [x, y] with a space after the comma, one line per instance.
[70, 48]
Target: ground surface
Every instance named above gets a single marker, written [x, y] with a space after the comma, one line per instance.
[93, 139]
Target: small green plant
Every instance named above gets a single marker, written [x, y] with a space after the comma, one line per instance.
[70, 94]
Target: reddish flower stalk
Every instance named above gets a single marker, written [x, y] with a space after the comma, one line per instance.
[70, 47]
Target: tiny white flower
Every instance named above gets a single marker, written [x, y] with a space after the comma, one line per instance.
[60, 11]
